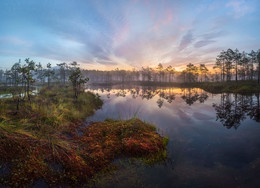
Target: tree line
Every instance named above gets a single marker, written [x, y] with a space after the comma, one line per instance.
[21, 78]
[230, 65]
[236, 65]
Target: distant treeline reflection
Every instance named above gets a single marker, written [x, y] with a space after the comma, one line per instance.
[189, 95]
[234, 108]
[231, 110]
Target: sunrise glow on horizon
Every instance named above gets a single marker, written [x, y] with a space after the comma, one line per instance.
[126, 34]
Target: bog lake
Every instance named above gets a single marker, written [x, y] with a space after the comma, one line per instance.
[213, 138]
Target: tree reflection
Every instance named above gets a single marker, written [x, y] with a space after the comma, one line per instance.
[169, 96]
[203, 97]
[147, 94]
[191, 95]
[254, 112]
[160, 102]
[230, 111]
[134, 93]
[234, 108]
[121, 93]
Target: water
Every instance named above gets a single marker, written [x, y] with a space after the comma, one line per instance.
[9, 95]
[213, 138]
[2, 96]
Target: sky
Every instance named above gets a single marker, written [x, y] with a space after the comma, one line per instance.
[126, 34]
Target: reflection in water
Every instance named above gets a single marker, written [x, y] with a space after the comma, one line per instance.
[191, 95]
[234, 108]
[231, 110]
[203, 152]
[254, 111]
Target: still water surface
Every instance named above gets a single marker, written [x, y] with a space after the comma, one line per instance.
[214, 139]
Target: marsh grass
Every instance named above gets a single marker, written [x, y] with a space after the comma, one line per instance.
[49, 111]
[35, 144]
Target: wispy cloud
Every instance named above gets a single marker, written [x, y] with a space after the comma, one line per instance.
[240, 8]
[130, 34]
[208, 38]
[186, 40]
[202, 43]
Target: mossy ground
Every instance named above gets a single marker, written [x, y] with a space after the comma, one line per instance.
[41, 142]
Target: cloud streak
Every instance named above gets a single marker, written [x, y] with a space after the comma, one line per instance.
[124, 34]
[202, 43]
[186, 40]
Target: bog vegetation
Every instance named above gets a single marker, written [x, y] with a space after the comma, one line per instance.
[43, 136]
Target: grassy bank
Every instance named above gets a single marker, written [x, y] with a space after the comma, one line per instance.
[45, 142]
[49, 111]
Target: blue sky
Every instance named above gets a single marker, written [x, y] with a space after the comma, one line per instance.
[126, 34]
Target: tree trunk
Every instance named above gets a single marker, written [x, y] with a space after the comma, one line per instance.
[17, 105]
[258, 72]
[28, 90]
[236, 72]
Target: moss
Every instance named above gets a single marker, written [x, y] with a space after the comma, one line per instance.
[165, 141]
[41, 142]
[76, 159]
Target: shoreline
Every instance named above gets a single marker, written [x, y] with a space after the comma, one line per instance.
[240, 87]
[41, 143]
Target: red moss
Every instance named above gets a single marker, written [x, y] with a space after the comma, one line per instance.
[80, 157]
